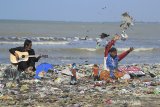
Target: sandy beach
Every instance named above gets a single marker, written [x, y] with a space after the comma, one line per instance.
[55, 90]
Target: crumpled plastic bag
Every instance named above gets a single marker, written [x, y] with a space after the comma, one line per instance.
[126, 77]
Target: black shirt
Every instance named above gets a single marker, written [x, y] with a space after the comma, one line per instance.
[25, 64]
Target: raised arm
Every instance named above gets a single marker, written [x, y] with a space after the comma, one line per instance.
[124, 54]
[110, 44]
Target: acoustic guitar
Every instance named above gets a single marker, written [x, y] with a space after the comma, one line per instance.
[23, 56]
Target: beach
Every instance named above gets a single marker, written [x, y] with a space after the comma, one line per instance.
[55, 90]
[64, 44]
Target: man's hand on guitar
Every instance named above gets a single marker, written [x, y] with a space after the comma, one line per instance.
[23, 56]
[39, 57]
[16, 55]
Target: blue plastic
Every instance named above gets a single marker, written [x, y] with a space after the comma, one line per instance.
[43, 67]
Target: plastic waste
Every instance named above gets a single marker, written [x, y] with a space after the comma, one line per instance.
[36, 80]
[118, 74]
[157, 90]
[11, 73]
[126, 77]
[1, 74]
[99, 83]
[108, 101]
[11, 84]
[1, 88]
[24, 88]
[146, 84]
[124, 91]
[36, 92]
[73, 82]
[58, 80]
[124, 36]
[6, 97]
[42, 69]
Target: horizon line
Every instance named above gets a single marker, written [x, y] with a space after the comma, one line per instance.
[75, 21]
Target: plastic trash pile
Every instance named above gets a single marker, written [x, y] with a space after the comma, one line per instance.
[54, 90]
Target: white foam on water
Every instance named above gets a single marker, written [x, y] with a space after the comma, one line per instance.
[121, 49]
[88, 49]
[38, 43]
[136, 49]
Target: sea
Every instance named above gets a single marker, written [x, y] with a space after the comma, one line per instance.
[64, 42]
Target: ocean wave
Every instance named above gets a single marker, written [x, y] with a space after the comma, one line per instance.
[137, 49]
[102, 49]
[120, 49]
[42, 38]
[16, 38]
[144, 49]
[88, 49]
[38, 43]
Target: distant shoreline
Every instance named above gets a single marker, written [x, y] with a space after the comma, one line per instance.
[21, 20]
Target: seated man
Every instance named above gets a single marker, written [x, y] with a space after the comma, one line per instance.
[24, 65]
[112, 58]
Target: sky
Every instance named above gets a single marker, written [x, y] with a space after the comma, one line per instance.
[80, 10]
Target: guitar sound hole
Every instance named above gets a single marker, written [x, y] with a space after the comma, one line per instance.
[23, 56]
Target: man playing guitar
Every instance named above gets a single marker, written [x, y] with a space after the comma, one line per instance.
[30, 63]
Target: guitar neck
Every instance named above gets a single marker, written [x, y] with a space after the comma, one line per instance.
[33, 55]
[45, 56]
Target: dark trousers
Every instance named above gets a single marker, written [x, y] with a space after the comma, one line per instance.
[22, 66]
[73, 80]
[96, 78]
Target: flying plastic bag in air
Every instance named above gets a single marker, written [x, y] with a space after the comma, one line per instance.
[127, 21]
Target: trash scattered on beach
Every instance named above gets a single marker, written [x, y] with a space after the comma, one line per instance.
[55, 90]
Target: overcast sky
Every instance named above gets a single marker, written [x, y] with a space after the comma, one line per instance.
[80, 10]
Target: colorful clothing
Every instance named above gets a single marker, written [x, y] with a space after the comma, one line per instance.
[95, 73]
[112, 63]
[73, 76]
